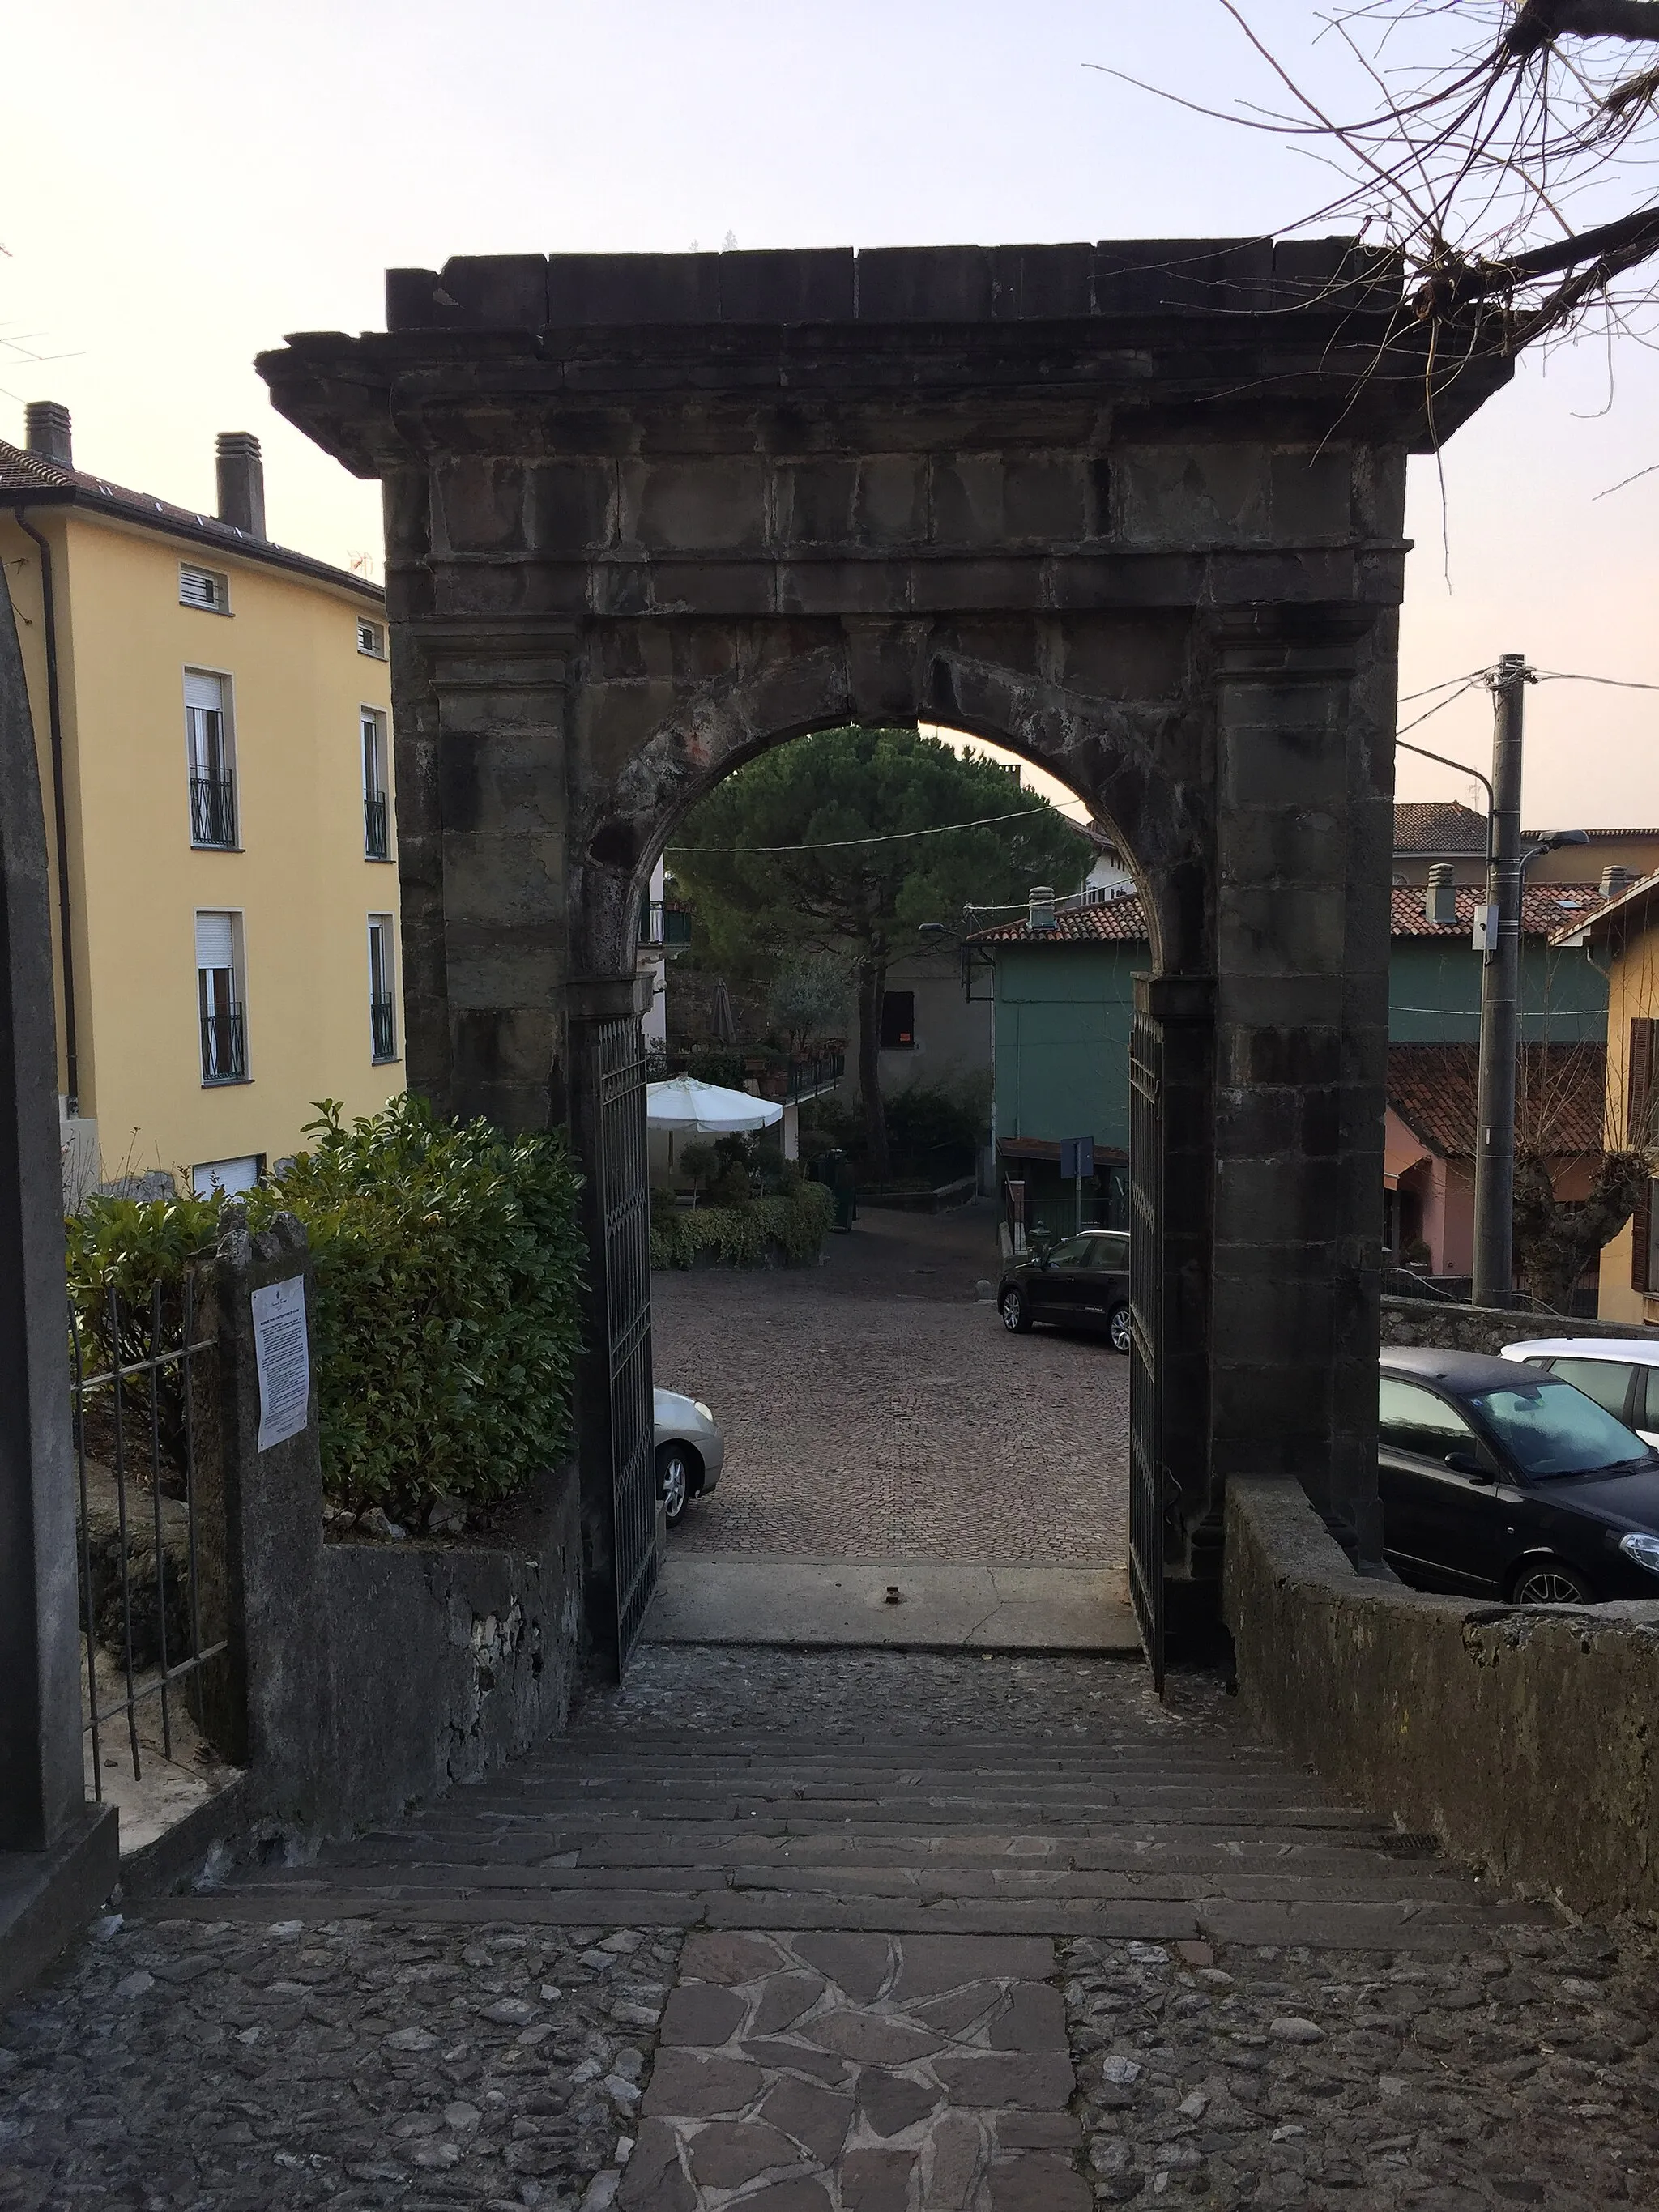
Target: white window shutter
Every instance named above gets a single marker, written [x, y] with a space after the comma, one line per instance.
[214, 941]
[205, 691]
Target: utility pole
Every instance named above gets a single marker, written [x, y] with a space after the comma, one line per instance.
[1494, 1146]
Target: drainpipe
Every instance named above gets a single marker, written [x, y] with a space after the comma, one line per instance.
[60, 816]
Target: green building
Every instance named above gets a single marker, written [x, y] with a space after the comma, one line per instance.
[1062, 997]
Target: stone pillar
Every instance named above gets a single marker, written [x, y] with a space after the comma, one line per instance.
[59, 1852]
[1304, 771]
[482, 814]
[278, 1709]
[41, 1790]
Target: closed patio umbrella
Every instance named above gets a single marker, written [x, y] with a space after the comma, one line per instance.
[710, 1109]
[722, 1020]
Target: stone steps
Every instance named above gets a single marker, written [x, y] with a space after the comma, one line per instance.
[1158, 1839]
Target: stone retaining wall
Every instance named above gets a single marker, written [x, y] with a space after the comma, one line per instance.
[1521, 1736]
[1485, 1328]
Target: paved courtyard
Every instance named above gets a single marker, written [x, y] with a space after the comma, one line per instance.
[874, 1409]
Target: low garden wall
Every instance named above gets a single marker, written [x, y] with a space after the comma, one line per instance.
[1485, 1328]
[1521, 1736]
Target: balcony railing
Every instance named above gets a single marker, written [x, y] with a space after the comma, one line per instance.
[665, 929]
[377, 827]
[213, 809]
[383, 1027]
[224, 1046]
[782, 1076]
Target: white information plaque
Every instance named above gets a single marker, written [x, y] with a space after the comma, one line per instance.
[283, 1357]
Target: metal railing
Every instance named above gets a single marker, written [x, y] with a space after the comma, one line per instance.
[782, 1077]
[224, 1046]
[213, 809]
[383, 1027]
[377, 827]
[665, 928]
[150, 1545]
[820, 1072]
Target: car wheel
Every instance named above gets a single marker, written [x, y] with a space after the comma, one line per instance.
[1118, 1328]
[673, 1482]
[1015, 1313]
[1550, 1582]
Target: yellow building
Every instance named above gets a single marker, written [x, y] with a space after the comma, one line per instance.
[213, 715]
[1623, 938]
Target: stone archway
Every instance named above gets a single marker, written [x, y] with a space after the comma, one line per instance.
[1134, 510]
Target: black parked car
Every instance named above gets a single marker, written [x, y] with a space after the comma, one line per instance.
[1511, 1483]
[1083, 1282]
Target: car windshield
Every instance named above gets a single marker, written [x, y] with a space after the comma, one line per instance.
[1549, 1428]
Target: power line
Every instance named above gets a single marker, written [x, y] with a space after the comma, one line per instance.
[886, 837]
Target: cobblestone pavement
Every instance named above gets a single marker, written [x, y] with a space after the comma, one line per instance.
[246, 2049]
[873, 1408]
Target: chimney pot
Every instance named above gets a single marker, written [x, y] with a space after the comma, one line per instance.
[241, 483]
[1440, 896]
[46, 431]
[1615, 880]
[1041, 906]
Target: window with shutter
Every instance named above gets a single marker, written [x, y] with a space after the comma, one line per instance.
[382, 995]
[1640, 1093]
[219, 999]
[898, 1021]
[204, 588]
[1641, 1242]
[212, 770]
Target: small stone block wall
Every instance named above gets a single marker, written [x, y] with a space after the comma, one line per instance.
[1519, 1735]
[447, 1661]
[1486, 1328]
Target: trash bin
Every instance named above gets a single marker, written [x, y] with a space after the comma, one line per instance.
[836, 1170]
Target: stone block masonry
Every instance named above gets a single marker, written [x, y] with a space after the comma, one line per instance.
[1488, 1329]
[1517, 1736]
[1132, 509]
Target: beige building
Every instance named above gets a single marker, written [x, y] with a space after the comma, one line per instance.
[1623, 938]
[213, 715]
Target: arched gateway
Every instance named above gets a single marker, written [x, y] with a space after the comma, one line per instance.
[1134, 510]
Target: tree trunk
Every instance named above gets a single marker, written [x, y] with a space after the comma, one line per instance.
[872, 985]
[1556, 1239]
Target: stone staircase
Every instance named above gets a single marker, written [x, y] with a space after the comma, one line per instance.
[1131, 1836]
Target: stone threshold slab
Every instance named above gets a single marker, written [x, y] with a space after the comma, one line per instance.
[942, 1606]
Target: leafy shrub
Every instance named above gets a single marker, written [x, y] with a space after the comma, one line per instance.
[128, 1259]
[739, 1235]
[732, 1189]
[448, 1263]
[447, 1323]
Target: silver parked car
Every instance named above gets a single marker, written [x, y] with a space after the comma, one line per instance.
[1621, 1373]
[691, 1451]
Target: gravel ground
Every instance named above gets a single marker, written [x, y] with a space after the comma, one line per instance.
[874, 1409]
[1368, 2080]
[217, 2067]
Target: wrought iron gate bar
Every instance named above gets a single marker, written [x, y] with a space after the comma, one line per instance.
[1148, 1477]
[626, 1212]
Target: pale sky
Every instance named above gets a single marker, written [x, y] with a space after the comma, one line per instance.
[181, 184]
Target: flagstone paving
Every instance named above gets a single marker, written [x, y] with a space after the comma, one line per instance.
[849, 1932]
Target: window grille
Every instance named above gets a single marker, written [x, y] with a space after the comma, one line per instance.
[382, 997]
[377, 812]
[224, 1033]
[212, 770]
[204, 588]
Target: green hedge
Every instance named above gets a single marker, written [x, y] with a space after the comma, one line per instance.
[447, 1263]
[739, 1235]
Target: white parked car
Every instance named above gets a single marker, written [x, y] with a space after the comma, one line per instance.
[1621, 1373]
[691, 1451]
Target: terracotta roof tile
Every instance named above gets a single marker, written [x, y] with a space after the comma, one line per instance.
[1438, 825]
[1559, 1094]
[1546, 910]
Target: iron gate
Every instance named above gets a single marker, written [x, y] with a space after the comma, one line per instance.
[1148, 1479]
[625, 1212]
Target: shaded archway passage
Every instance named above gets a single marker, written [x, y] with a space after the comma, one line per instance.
[1134, 509]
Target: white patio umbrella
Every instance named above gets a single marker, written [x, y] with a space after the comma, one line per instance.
[711, 1110]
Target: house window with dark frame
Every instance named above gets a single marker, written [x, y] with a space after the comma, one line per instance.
[898, 1021]
[220, 997]
[377, 805]
[382, 989]
[371, 639]
[211, 758]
